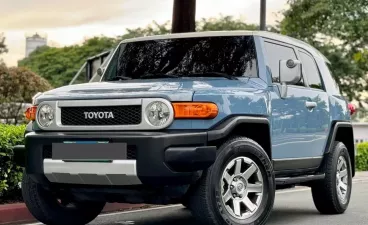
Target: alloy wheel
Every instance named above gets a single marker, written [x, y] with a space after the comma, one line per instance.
[342, 184]
[242, 187]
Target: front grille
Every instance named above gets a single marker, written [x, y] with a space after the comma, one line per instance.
[131, 152]
[122, 115]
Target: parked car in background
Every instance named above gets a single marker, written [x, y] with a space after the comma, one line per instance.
[216, 121]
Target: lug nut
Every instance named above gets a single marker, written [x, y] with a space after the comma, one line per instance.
[235, 179]
[240, 196]
[234, 195]
[231, 187]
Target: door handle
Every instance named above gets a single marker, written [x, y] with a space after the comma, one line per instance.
[310, 105]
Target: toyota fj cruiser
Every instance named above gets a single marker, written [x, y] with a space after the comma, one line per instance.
[216, 121]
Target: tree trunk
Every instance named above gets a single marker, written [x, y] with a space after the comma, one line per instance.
[183, 19]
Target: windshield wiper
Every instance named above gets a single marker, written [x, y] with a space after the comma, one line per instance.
[120, 78]
[159, 75]
[211, 74]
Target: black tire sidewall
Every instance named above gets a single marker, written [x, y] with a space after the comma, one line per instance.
[44, 207]
[340, 150]
[242, 147]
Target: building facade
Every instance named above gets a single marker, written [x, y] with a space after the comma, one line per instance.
[33, 42]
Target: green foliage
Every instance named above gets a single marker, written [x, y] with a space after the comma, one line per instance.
[18, 86]
[362, 157]
[59, 65]
[10, 174]
[3, 48]
[152, 29]
[338, 29]
[223, 23]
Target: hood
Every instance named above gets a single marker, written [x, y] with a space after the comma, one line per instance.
[171, 89]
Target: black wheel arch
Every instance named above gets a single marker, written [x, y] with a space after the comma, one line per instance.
[342, 131]
[256, 128]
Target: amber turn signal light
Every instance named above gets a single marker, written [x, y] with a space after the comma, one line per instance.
[31, 113]
[195, 110]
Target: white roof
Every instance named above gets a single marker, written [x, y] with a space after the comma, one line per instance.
[264, 34]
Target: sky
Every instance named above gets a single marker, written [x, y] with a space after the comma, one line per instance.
[67, 22]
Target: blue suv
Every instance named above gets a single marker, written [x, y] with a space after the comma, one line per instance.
[216, 121]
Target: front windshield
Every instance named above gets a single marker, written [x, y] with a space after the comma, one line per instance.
[230, 55]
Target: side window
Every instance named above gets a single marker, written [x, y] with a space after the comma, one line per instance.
[310, 71]
[329, 69]
[274, 54]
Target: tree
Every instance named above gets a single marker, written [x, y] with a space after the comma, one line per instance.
[149, 30]
[3, 48]
[59, 65]
[17, 87]
[338, 29]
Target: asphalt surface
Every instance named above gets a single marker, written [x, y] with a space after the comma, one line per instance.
[292, 206]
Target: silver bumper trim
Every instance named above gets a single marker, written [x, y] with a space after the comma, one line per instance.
[118, 172]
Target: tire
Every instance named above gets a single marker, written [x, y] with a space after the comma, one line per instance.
[206, 201]
[325, 192]
[45, 207]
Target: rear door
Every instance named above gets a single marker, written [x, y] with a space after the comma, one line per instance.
[318, 116]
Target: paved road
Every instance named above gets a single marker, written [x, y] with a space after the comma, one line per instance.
[293, 206]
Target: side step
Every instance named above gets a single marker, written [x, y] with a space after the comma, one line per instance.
[299, 179]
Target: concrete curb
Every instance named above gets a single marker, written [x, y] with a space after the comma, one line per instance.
[18, 213]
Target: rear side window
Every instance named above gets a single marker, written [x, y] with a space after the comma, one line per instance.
[275, 53]
[310, 71]
[333, 81]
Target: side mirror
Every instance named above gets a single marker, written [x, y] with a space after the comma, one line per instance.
[290, 73]
[100, 71]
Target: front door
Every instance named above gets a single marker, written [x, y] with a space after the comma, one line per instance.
[299, 120]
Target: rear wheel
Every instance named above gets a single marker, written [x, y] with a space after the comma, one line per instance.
[332, 195]
[57, 210]
[239, 188]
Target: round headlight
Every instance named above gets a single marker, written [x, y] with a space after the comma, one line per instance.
[158, 113]
[45, 115]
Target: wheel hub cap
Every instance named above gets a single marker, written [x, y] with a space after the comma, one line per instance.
[242, 187]
[342, 185]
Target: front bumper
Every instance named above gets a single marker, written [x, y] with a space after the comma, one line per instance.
[154, 158]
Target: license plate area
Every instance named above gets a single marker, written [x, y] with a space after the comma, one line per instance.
[92, 151]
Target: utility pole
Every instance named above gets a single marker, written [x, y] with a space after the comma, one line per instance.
[183, 19]
[263, 15]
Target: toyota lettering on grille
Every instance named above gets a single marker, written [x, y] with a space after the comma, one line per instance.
[98, 115]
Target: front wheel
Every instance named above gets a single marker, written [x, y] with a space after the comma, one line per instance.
[51, 210]
[332, 195]
[239, 188]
